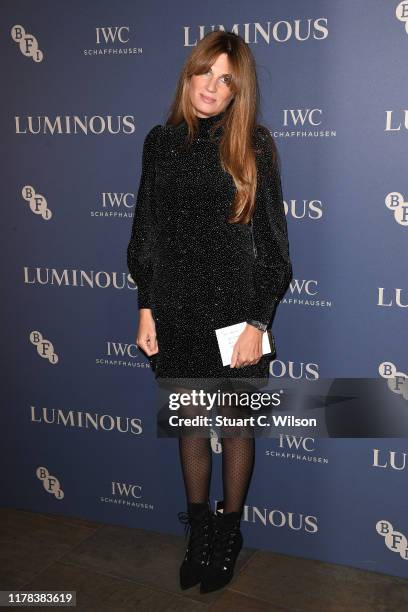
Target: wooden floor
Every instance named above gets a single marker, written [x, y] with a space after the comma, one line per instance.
[118, 568]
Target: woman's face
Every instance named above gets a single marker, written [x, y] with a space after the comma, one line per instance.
[210, 93]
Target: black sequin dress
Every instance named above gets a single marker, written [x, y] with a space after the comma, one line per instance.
[196, 271]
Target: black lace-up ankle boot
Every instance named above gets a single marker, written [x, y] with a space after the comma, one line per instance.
[198, 521]
[226, 544]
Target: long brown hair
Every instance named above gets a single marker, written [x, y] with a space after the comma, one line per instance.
[237, 153]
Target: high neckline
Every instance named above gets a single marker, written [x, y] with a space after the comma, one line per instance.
[211, 118]
[205, 123]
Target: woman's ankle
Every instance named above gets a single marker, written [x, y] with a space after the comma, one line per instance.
[196, 507]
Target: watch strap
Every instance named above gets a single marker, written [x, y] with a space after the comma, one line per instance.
[261, 326]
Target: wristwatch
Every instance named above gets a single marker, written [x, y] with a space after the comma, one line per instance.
[262, 326]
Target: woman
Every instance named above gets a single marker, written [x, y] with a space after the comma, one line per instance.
[209, 248]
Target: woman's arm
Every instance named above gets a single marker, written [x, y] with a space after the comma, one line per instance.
[272, 268]
[144, 227]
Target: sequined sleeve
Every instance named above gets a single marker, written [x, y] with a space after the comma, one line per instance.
[144, 227]
[272, 269]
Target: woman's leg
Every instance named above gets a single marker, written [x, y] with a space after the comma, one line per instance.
[195, 453]
[237, 466]
[238, 447]
[238, 451]
[196, 463]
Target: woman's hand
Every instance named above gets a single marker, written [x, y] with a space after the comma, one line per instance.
[146, 332]
[248, 347]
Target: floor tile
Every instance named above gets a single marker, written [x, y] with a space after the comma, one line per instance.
[99, 592]
[147, 557]
[308, 585]
[231, 600]
[30, 542]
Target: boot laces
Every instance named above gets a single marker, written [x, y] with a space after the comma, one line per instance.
[222, 549]
[197, 530]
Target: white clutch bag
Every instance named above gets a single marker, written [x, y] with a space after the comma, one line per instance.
[227, 336]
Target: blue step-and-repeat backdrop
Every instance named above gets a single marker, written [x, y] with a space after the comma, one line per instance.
[82, 84]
